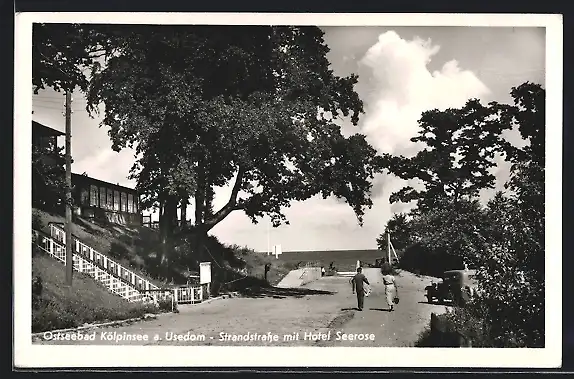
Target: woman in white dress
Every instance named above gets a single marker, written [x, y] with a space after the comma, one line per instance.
[390, 286]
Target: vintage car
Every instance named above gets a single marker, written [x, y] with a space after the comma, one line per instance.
[457, 286]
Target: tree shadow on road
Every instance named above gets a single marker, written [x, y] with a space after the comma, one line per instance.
[436, 303]
[280, 293]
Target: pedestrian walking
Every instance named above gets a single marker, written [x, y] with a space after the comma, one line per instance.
[391, 292]
[322, 271]
[357, 283]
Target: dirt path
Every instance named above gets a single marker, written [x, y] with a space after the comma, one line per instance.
[379, 327]
[278, 317]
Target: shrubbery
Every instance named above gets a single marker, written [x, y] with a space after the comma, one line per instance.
[503, 240]
[50, 314]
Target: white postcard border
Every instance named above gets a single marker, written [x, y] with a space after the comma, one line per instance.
[28, 355]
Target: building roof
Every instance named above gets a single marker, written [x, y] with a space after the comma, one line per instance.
[86, 178]
[45, 130]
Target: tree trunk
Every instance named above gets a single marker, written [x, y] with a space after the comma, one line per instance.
[183, 212]
[199, 227]
[167, 224]
[204, 219]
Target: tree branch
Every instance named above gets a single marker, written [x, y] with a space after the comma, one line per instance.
[231, 204]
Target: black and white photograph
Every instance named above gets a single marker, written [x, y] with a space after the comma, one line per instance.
[286, 184]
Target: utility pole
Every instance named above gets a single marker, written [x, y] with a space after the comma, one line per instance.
[268, 246]
[68, 226]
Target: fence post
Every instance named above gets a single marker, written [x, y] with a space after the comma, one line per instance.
[172, 302]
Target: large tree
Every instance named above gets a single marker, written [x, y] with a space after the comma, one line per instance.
[249, 107]
[458, 150]
[505, 240]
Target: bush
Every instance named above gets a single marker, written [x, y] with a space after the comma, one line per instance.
[37, 222]
[473, 327]
[167, 305]
[51, 313]
[443, 332]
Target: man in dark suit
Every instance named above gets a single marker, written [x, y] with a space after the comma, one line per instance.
[357, 283]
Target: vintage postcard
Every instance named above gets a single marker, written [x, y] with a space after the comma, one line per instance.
[285, 190]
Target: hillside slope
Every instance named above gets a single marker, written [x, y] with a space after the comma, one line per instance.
[233, 267]
[57, 306]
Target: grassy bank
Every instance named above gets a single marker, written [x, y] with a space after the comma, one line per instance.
[58, 306]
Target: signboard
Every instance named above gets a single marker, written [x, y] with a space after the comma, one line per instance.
[205, 272]
[277, 250]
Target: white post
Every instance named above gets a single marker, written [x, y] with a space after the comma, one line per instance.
[389, 246]
[394, 252]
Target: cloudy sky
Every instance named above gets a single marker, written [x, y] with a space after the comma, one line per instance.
[402, 72]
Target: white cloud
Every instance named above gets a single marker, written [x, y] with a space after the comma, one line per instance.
[108, 165]
[401, 87]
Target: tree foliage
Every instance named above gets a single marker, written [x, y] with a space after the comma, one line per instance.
[504, 239]
[48, 184]
[458, 151]
[399, 228]
[62, 53]
[251, 107]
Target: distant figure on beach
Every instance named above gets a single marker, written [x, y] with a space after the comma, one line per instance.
[322, 271]
[267, 268]
[358, 286]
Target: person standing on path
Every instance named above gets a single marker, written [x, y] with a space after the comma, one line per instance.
[390, 285]
[357, 283]
[267, 268]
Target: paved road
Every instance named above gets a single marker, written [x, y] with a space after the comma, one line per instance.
[281, 317]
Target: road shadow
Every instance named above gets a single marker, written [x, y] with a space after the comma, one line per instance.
[350, 309]
[380, 309]
[280, 293]
[436, 303]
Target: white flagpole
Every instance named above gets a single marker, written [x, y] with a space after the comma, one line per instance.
[389, 246]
